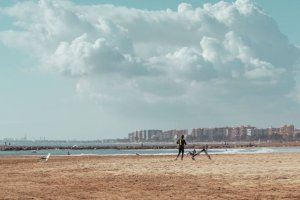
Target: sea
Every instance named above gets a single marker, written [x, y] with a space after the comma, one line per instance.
[111, 152]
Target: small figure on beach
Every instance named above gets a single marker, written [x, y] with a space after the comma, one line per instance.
[181, 143]
[194, 152]
[204, 149]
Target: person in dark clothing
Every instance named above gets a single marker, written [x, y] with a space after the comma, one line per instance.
[193, 153]
[181, 142]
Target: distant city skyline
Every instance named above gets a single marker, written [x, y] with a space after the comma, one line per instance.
[161, 135]
[99, 69]
[217, 134]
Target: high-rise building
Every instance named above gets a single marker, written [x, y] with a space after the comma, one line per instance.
[287, 131]
[131, 137]
[145, 135]
[154, 135]
[272, 131]
[260, 134]
[197, 134]
[246, 132]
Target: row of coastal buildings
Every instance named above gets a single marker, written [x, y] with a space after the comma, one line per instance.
[240, 133]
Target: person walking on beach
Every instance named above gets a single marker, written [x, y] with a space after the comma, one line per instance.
[181, 142]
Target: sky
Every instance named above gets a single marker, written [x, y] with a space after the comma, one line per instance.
[95, 69]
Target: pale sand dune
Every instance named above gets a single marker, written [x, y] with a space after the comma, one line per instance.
[263, 176]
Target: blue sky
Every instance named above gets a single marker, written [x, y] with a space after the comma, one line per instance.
[110, 92]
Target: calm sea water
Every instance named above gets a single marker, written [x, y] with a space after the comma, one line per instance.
[255, 150]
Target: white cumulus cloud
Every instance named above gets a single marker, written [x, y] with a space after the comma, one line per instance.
[188, 59]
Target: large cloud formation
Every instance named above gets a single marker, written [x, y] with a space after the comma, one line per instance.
[194, 60]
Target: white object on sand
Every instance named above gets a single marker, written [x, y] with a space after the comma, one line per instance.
[46, 158]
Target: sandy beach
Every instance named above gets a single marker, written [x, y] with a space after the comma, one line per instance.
[259, 176]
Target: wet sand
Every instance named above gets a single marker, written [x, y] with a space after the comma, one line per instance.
[260, 176]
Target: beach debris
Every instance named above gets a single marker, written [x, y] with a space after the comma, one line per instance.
[45, 158]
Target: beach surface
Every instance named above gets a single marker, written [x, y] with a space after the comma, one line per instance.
[255, 176]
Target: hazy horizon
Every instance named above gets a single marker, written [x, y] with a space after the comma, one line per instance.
[100, 69]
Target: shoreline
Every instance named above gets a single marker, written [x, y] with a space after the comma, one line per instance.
[187, 157]
[133, 146]
[150, 152]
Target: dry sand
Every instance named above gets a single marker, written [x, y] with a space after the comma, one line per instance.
[260, 176]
